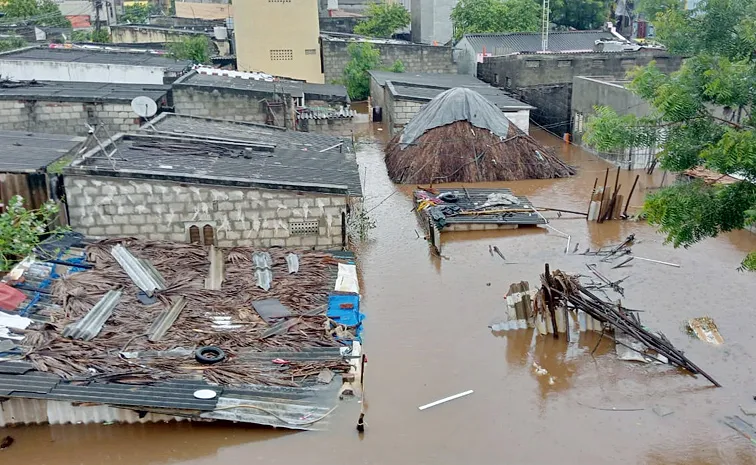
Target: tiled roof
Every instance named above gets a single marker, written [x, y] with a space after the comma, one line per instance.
[502, 44]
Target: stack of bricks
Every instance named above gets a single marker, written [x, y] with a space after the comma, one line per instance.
[158, 210]
[65, 117]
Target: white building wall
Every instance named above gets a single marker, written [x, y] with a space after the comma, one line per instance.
[24, 70]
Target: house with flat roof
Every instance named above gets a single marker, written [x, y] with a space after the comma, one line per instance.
[91, 64]
[471, 49]
[24, 161]
[60, 107]
[262, 98]
[401, 95]
[237, 192]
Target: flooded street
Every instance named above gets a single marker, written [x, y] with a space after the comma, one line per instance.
[427, 337]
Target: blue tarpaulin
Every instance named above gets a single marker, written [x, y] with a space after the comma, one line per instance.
[350, 317]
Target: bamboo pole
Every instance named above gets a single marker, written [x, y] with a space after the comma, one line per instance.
[590, 198]
[603, 193]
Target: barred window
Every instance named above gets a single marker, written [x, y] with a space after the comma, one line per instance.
[281, 55]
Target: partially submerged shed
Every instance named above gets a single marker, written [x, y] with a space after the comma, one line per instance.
[24, 161]
[460, 136]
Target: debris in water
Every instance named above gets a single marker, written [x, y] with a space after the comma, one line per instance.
[705, 329]
[6, 442]
[445, 399]
[539, 370]
[750, 411]
[361, 423]
[498, 252]
[741, 426]
[658, 261]
[662, 411]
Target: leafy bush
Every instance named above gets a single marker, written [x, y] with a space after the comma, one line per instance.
[21, 230]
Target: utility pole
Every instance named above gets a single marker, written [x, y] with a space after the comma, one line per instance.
[97, 6]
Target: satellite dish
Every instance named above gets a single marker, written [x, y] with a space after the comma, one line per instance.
[144, 106]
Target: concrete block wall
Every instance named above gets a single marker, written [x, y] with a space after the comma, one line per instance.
[417, 58]
[224, 104]
[402, 112]
[341, 127]
[65, 117]
[158, 210]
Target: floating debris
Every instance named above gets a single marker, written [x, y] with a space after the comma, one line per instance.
[445, 399]
[705, 329]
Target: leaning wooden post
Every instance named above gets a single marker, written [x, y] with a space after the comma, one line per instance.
[550, 302]
[603, 193]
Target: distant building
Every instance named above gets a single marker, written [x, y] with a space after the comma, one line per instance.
[401, 95]
[258, 98]
[431, 22]
[472, 48]
[87, 64]
[279, 37]
[58, 107]
[143, 34]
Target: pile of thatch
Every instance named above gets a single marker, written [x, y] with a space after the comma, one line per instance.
[461, 151]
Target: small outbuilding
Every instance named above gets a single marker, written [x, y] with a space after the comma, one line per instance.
[460, 136]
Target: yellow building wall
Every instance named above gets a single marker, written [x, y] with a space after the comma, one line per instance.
[278, 37]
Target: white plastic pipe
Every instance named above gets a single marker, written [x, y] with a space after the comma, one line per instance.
[445, 399]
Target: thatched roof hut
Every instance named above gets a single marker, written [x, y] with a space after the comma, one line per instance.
[459, 136]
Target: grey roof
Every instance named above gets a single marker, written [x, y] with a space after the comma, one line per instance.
[97, 56]
[174, 397]
[214, 162]
[79, 91]
[197, 126]
[25, 152]
[425, 86]
[502, 44]
[330, 92]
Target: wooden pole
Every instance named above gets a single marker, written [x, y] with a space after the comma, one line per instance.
[603, 193]
[590, 198]
[550, 302]
[627, 204]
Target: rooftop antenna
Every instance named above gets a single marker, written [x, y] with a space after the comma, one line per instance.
[545, 26]
[145, 108]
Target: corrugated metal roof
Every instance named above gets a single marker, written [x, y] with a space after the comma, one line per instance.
[93, 55]
[39, 150]
[165, 320]
[90, 325]
[64, 91]
[144, 275]
[503, 44]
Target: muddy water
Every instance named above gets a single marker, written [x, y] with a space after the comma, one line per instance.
[427, 338]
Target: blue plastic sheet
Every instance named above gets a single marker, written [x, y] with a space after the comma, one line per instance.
[350, 317]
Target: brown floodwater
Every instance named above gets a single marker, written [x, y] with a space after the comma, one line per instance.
[427, 337]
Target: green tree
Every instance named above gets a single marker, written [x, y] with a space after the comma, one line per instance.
[363, 57]
[37, 12]
[21, 230]
[481, 16]
[138, 13]
[383, 20]
[196, 49]
[11, 43]
[99, 37]
[580, 14]
[705, 109]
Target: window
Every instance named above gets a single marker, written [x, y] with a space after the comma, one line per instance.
[508, 82]
[279, 1]
[628, 62]
[597, 63]
[281, 55]
[310, 51]
[201, 233]
[304, 228]
[564, 63]
[208, 234]
[532, 64]
[194, 235]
